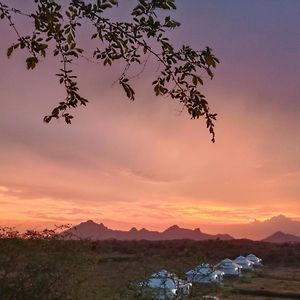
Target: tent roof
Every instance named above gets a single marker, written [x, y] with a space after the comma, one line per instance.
[165, 279]
[228, 263]
[201, 269]
[242, 259]
[226, 260]
[252, 256]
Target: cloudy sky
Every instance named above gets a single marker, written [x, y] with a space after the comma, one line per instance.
[144, 163]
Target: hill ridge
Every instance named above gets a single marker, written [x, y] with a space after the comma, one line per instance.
[94, 231]
[282, 237]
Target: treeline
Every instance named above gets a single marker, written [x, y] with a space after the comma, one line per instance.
[212, 251]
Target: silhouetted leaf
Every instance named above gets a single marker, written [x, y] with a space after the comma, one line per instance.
[31, 62]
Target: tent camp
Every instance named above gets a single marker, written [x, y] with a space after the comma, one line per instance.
[166, 285]
[204, 273]
[256, 261]
[229, 268]
[245, 263]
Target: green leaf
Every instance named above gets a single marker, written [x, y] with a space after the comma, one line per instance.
[195, 80]
[10, 51]
[47, 119]
[31, 62]
[70, 39]
[55, 112]
[107, 61]
[128, 89]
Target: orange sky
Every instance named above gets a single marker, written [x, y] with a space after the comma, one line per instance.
[143, 163]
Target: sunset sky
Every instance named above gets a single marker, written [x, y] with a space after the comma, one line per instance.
[144, 164]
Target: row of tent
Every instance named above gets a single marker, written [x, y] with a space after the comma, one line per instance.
[235, 267]
[167, 285]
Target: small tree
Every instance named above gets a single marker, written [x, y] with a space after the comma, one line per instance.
[55, 27]
[39, 265]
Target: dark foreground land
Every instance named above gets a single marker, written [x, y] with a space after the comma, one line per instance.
[49, 268]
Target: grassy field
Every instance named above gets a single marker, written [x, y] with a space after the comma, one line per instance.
[264, 283]
[276, 282]
[124, 262]
[37, 269]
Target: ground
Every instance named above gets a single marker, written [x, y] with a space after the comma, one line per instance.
[111, 270]
[272, 280]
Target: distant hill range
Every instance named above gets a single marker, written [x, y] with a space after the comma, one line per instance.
[286, 230]
[281, 237]
[94, 231]
[258, 230]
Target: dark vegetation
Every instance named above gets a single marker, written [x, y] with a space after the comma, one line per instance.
[285, 295]
[212, 251]
[43, 266]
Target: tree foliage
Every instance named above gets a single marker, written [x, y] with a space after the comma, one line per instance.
[55, 31]
[39, 265]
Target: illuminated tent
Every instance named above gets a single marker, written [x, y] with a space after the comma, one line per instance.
[245, 263]
[256, 261]
[166, 285]
[229, 267]
[205, 273]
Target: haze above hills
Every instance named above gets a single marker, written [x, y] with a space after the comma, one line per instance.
[258, 230]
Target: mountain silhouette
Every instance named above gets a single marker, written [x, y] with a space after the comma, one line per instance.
[281, 237]
[94, 231]
[258, 230]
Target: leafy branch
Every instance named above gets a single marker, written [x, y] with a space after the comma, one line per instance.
[119, 41]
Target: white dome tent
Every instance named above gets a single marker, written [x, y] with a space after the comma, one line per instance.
[245, 263]
[204, 273]
[166, 285]
[256, 260]
[229, 268]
